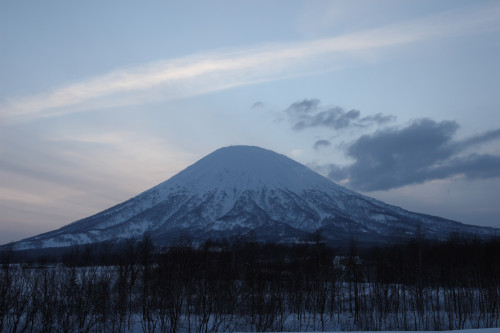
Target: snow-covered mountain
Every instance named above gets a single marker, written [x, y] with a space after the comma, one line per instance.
[243, 190]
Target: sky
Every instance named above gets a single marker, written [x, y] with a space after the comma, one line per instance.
[102, 100]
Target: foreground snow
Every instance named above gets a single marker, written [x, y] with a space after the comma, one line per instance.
[478, 330]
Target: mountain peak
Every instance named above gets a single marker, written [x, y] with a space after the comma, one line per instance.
[243, 159]
[248, 167]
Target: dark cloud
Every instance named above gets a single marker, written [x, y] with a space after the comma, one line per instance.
[418, 153]
[487, 136]
[474, 166]
[335, 118]
[378, 118]
[309, 113]
[322, 144]
[303, 107]
[257, 105]
[336, 172]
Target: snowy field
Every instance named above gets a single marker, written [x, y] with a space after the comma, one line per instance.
[480, 330]
[256, 287]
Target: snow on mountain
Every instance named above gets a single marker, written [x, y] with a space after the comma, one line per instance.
[240, 190]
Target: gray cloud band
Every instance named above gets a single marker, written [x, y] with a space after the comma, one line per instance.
[423, 151]
[309, 113]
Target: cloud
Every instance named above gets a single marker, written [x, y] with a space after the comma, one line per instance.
[45, 167]
[421, 152]
[303, 107]
[474, 166]
[322, 144]
[224, 69]
[257, 105]
[309, 113]
[485, 137]
[378, 118]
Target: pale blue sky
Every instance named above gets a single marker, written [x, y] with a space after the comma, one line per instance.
[100, 100]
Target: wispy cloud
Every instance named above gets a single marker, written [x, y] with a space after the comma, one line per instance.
[93, 163]
[50, 177]
[224, 69]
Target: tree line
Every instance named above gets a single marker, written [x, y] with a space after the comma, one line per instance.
[250, 286]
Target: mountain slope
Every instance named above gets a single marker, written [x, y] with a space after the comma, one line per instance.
[240, 190]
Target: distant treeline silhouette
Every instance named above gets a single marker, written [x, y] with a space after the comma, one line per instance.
[235, 285]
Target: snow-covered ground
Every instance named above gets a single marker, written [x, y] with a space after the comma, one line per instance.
[479, 330]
